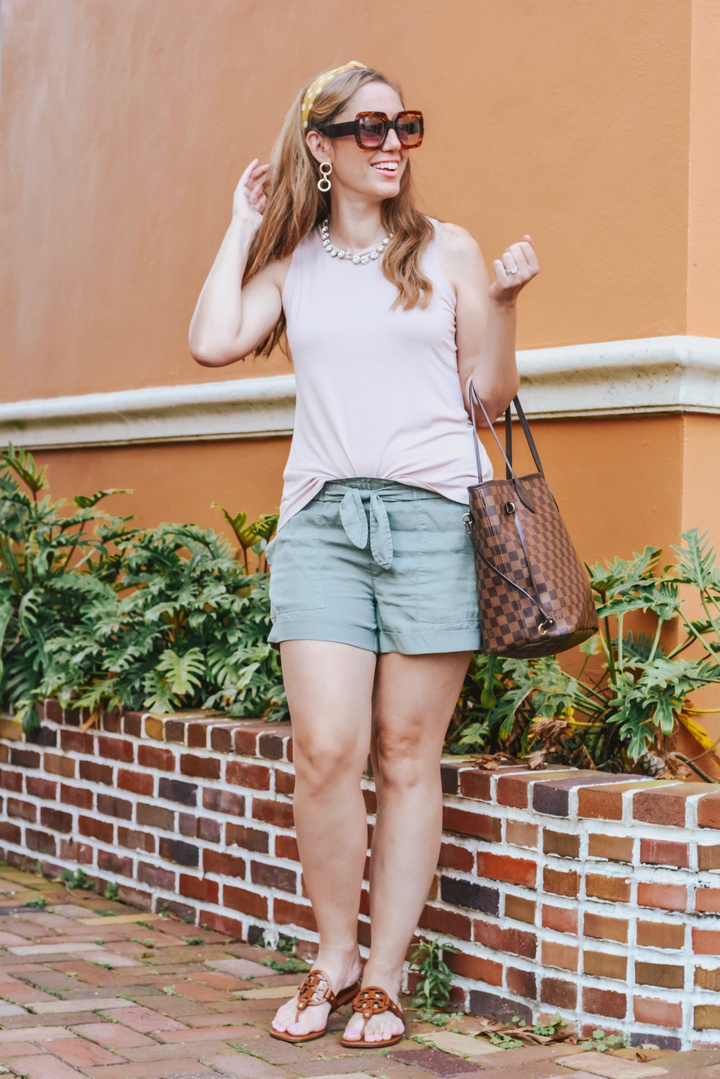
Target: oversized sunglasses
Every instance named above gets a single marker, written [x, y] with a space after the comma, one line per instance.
[371, 129]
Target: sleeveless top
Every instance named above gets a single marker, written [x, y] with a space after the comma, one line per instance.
[377, 389]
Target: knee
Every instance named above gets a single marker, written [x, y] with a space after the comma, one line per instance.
[322, 765]
[403, 762]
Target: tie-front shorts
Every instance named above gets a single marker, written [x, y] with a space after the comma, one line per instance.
[375, 564]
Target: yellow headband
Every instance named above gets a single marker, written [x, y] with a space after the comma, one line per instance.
[319, 84]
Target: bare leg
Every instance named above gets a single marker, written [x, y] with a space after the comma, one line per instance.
[413, 702]
[329, 688]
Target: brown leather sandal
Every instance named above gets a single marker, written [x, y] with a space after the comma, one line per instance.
[373, 1000]
[310, 994]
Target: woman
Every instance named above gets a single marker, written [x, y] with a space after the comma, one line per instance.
[389, 314]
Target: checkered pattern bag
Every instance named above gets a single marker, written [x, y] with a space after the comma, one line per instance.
[534, 593]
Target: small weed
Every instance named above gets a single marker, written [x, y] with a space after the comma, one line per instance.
[193, 941]
[601, 1041]
[40, 902]
[438, 1019]
[108, 1016]
[170, 990]
[242, 1049]
[433, 989]
[504, 1041]
[285, 966]
[105, 966]
[112, 891]
[287, 945]
[149, 942]
[78, 879]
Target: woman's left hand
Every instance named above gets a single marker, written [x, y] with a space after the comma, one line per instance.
[517, 266]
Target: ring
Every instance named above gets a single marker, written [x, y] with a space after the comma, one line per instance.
[512, 270]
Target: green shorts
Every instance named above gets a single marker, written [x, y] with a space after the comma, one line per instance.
[375, 564]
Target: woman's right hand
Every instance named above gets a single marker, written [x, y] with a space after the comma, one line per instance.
[250, 197]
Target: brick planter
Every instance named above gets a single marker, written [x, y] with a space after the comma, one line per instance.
[593, 895]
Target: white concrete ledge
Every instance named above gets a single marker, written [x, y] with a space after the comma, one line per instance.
[612, 378]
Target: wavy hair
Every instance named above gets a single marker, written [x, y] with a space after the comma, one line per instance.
[295, 206]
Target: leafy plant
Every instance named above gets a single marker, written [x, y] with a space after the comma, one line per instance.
[601, 1041]
[77, 879]
[112, 891]
[533, 710]
[40, 902]
[435, 982]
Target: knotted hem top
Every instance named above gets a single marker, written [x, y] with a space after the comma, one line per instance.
[378, 393]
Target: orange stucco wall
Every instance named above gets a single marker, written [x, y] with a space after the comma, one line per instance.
[125, 127]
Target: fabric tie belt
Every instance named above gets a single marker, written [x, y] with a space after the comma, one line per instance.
[372, 524]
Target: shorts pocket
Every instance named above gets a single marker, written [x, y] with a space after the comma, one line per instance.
[447, 587]
[295, 572]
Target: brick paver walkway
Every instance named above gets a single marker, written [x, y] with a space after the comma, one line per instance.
[94, 989]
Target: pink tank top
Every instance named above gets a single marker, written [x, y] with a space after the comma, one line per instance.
[378, 391]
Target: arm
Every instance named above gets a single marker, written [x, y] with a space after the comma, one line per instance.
[486, 314]
[230, 321]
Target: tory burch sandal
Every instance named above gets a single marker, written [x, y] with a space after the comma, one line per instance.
[373, 1000]
[310, 994]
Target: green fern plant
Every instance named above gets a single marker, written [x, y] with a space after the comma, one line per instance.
[435, 981]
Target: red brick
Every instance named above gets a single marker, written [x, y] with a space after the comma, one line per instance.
[132, 724]
[706, 1017]
[246, 740]
[513, 789]
[271, 812]
[157, 876]
[284, 782]
[370, 800]
[564, 844]
[560, 883]
[605, 965]
[709, 811]
[448, 922]
[209, 830]
[16, 807]
[706, 941]
[604, 1002]
[664, 802]
[708, 978]
[475, 783]
[522, 982]
[199, 888]
[112, 806]
[117, 749]
[110, 862]
[155, 757]
[81, 797]
[602, 927]
[10, 833]
[247, 838]
[479, 825]
[135, 839]
[614, 848]
[197, 734]
[43, 842]
[97, 773]
[71, 851]
[112, 721]
[286, 847]
[455, 857]
[502, 867]
[521, 833]
[520, 909]
[178, 851]
[221, 923]
[225, 865]
[271, 745]
[662, 852]
[221, 738]
[601, 802]
[558, 993]
[662, 896]
[248, 774]
[220, 801]
[187, 824]
[660, 935]
[155, 816]
[708, 855]
[476, 967]
[614, 889]
[665, 975]
[205, 767]
[72, 741]
[561, 919]
[564, 956]
[24, 757]
[55, 819]
[41, 788]
[274, 876]
[138, 782]
[11, 781]
[288, 913]
[516, 941]
[62, 766]
[658, 1012]
[245, 901]
[97, 829]
[708, 899]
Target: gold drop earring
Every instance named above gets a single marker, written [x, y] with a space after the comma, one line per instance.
[324, 181]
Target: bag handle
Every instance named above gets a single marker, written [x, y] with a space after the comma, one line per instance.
[523, 494]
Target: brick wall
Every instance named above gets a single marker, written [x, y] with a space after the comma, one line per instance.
[593, 895]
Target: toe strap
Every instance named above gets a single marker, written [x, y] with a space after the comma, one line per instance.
[372, 999]
[311, 991]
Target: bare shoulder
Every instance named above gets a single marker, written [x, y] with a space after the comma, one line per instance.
[460, 253]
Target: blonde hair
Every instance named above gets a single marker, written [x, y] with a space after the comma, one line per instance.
[295, 206]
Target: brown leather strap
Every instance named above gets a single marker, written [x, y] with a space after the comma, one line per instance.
[310, 993]
[374, 999]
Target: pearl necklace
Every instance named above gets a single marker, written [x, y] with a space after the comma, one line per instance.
[335, 252]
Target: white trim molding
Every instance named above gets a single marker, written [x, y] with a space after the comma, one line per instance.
[611, 378]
